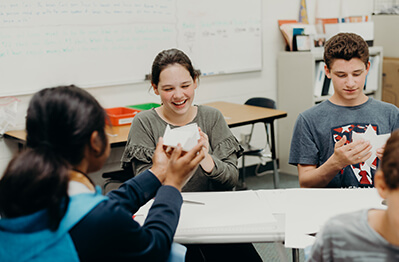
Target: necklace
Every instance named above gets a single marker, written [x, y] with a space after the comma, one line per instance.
[79, 176]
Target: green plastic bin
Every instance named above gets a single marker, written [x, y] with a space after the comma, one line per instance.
[145, 106]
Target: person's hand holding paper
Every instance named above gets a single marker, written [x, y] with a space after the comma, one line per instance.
[376, 141]
[187, 136]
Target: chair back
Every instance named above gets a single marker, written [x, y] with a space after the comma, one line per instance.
[259, 152]
[261, 101]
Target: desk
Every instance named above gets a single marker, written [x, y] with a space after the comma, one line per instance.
[117, 135]
[226, 217]
[234, 114]
[240, 115]
[293, 210]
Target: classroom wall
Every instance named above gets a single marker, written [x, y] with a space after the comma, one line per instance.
[233, 87]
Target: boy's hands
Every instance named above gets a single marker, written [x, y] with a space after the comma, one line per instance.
[353, 153]
[380, 151]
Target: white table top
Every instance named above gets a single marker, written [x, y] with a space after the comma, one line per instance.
[293, 213]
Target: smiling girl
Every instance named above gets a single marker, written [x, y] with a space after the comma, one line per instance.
[175, 80]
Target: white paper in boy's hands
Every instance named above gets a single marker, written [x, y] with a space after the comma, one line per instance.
[187, 136]
[376, 141]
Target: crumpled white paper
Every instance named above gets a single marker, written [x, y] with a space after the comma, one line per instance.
[8, 113]
[187, 136]
[376, 141]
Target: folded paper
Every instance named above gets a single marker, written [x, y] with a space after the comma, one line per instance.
[376, 141]
[187, 136]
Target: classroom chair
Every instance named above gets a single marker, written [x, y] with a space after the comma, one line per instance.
[115, 177]
[264, 152]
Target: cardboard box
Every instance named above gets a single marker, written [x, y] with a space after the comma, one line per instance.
[390, 80]
[364, 29]
[384, 28]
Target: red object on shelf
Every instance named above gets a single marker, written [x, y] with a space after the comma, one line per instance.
[121, 115]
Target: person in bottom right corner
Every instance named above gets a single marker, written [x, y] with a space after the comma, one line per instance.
[371, 234]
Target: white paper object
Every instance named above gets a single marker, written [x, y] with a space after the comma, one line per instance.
[8, 113]
[228, 213]
[187, 136]
[376, 141]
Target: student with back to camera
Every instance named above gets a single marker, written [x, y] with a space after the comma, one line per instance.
[321, 145]
[174, 79]
[370, 234]
[50, 209]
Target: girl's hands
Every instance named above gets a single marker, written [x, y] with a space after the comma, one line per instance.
[175, 167]
[204, 139]
[160, 161]
[207, 164]
[182, 165]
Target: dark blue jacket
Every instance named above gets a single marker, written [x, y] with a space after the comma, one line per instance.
[108, 232]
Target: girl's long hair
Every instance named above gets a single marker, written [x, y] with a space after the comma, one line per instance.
[59, 124]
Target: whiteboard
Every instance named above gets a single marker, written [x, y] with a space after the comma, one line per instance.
[45, 43]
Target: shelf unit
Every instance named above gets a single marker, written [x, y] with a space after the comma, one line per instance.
[295, 93]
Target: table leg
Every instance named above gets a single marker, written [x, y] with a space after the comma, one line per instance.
[295, 255]
[276, 176]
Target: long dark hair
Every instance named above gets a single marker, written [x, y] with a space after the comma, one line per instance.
[59, 124]
[169, 57]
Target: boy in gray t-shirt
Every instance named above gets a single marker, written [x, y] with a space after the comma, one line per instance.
[322, 146]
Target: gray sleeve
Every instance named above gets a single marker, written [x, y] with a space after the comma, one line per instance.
[322, 248]
[349, 237]
[225, 159]
[395, 118]
[140, 145]
[303, 146]
[224, 148]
